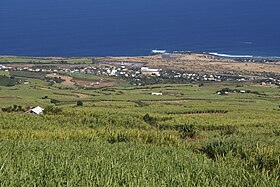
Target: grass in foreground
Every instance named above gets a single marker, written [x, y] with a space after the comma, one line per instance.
[126, 137]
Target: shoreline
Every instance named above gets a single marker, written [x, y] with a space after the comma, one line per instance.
[214, 54]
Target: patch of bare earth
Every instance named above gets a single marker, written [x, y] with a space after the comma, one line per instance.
[68, 81]
[171, 101]
[45, 89]
[94, 83]
[9, 98]
[80, 95]
[207, 113]
[198, 63]
[66, 95]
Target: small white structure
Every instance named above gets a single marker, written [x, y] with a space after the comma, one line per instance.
[149, 72]
[37, 110]
[157, 94]
[242, 91]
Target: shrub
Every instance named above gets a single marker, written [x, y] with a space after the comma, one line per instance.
[80, 103]
[217, 149]
[187, 131]
[150, 120]
[14, 108]
[45, 97]
[7, 81]
[55, 101]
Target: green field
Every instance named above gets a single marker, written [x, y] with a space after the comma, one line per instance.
[124, 136]
[43, 60]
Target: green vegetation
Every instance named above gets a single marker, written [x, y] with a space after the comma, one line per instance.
[28, 74]
[7, 81]
[80, 103]
[14, 108]
[187, 131]
[43, 60]
[124, 136]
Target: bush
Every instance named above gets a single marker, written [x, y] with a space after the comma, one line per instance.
[45, 97]
[217, 149]
[150, 120]
[55, 101]
[187, 131]
[7, 81]
[80, 103]
[14, 108]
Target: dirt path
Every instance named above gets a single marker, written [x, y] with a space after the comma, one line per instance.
[68, 80]
[80, 95]
[9, 98]
[170, 101]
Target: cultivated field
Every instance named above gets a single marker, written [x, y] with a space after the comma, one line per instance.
[124, 136]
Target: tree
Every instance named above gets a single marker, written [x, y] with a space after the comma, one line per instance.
[55, 101]
[80, 103]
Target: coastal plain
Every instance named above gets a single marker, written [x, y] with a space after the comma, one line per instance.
[188, 62]
[203, 121]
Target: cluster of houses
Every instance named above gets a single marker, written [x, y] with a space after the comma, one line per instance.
[191, 76]
[30, 69]
[121, 70]
[2, 67]
[227, 91]
[136, 74]
[270, 81]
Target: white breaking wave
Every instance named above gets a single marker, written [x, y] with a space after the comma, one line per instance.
[268, 57]
[232, 56]
[156, 51]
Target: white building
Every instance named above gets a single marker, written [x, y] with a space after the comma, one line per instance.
[37, 110]
[149, 72]
[157, 94]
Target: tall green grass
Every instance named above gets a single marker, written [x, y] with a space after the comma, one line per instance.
[135, 139]
[79, 163]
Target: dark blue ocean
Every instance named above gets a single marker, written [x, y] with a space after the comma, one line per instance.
[135, 27]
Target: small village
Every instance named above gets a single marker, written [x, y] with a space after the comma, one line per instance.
[141, 75]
